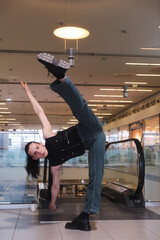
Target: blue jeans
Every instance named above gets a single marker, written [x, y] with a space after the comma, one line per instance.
[91, 133]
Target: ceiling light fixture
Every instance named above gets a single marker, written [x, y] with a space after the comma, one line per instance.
[71, 32]
[151, 49]
[129, 90]
[108, 105]
[7, 119]
[116, 105]
[14, 124]
[5, 112]
[73, 120]
[10, 119]
[136, 83]
[147, 75]
[95, 105]
[104, 114]
[115, 101]
[108, 95]
[125, 101]
[72, 123]
[143, 64]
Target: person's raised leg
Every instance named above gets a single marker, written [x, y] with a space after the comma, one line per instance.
[88, 122]
[57, 68]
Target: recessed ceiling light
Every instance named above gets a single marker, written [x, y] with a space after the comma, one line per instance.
[147, 75]
[130, 90]
[108, 95]
[10, 119]
[71, 122]
[110, 105]
[5, 112]
[143, 64]
[15, 124]
[115, 101]
[95, 105]
[103, 114]
[125, 101]
[152, 49]
[136, 83]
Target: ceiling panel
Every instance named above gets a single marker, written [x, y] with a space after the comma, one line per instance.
[118, 29]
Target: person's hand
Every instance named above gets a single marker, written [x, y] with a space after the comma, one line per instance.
[25, 86]
[52, 206]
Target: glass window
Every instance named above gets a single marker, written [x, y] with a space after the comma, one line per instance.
[113, 135]
[151, 146]
[123, 132]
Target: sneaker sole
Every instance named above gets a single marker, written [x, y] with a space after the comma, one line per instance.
[47, 58]
[72, 227]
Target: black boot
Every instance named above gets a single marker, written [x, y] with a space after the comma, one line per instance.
[57, 68]
[80, 223]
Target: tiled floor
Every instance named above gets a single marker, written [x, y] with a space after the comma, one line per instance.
[24, 224]
[117, 224]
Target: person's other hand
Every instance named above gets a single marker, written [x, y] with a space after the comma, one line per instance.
[24, 85]
[52, 206]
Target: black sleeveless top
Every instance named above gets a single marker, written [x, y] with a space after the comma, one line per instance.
[64, 146]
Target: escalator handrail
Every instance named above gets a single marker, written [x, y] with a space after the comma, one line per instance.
[141, 162]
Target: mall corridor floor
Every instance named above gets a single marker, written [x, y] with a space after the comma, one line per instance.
[25, 224]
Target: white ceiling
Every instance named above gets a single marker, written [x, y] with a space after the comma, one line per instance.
[118, 29]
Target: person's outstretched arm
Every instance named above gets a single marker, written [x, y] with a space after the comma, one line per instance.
[47, 130]
[55, 186]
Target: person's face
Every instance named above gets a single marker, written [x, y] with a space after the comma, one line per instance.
[37, 150]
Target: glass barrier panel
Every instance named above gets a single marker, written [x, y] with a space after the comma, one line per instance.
[151, 146]
[121, 164]
[16, 187]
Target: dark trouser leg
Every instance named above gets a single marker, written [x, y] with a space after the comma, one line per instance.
[96, 167]
[89, 124]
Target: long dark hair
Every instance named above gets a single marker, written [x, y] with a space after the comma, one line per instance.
[32, 166]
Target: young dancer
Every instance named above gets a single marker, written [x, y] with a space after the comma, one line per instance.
[61, 146]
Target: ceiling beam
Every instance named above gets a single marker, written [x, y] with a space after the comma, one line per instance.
[15, 51]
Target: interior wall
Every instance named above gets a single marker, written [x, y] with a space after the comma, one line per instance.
[148, 108]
